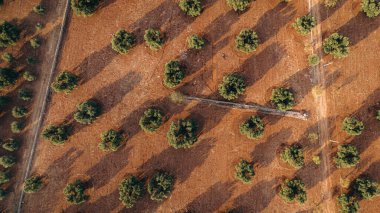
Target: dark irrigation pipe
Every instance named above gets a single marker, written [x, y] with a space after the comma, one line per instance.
[256, 107]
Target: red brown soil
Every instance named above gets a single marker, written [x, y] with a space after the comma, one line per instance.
[127, 84]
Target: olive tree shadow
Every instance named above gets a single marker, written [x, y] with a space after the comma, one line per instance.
[212, 199]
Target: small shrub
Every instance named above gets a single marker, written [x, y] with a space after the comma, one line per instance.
[177, 97]
[25, 94]
[8, 57]
[316, 160]
[87, 112]
[352, 126]
[195, 42]
[191, 7]
[8, 77]
[232, 87]
[348, 203]
[377, 115]
[239, 5]
[344, 182]
[293, 190]
[39, 9]
[313, 60]
[253, 127]
[160, 186]
[84, 7]
[304, 24]
[5, 177]
[35, 42]
[283, 98]
[247, 41]
[65, 82]
[75, 192]
[313, 137]
[4, 100]
[293, 155]
[151, 120]
[19, 111]
[365, 188]
[130, 191]
[31, 61]
[174, 74]
[57, 134]
[371, 7]
[3, 194]
[111, 140]
[123, 41]
[33, 184]
[9, 34]
[336, 45]
[39, 26]
[244, 171]
[7, 161]
[182, 133]
[28, 76]
[153, 39]
[17, 126]
[330, 3]
[11, 145]
[347, 156]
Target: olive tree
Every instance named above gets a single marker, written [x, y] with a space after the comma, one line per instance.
[39, 9]
[365, 188]
[371, 8]
[253, 127]
[65, 82]
[293, 190]
[5, 177]
[131, 189]
[247, 41]
[160, 186]
[174, 74]
[313, 60]
[239, 5]
[347, 156]
[283, 98]
[336, 45]
[191, 7]
[84, 7]
[57, 134]
[304, 24]
[182, 133]
[244, 171]
[28, 76]
[232, 86]
[123, 41]
[153, 38]
[75, 192]
[35, 42]
[111, 140]
[8, 77]
[19, 111]
[9, 34]
[8, 57]
[25, 94]
[195, 42]
[11, 145]
[17, 126]
[87, 112]
[293, 155]
[348, 203]
[33, 184]
[151, 120]
[352, 126]
[7, 161]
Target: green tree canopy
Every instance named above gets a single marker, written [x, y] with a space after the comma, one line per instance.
[239, 5]
[182, 133]
[174, 73]
[244, 171]
[87, 112]
[57, 134]
[111, 140]
[293, 155]
[304, 24]
[151, 120]
[33, 184]
[371, 8]
[247, 41]
[75, 192]
[253, 127]
[293, 190]
[336, 45]
[153, 38]
[232, 86]
[65, 82]
[8, 77]
[130, 191]
[283, 98]
[160, 186]
[84, 7]
[347, 156]
[191, 7]
[123, 41]
[352, 126]
[195, 42]
[9, 34]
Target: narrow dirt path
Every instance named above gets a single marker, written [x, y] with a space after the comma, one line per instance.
[321, 105]
[41, 101]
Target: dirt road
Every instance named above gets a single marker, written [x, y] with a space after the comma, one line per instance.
[321, 103]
